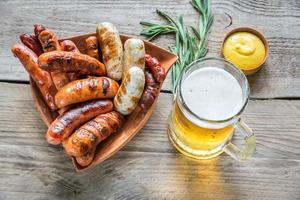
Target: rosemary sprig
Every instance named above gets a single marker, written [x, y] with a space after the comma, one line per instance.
[190, 42]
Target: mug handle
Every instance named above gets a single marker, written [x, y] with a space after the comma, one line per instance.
[248, 149]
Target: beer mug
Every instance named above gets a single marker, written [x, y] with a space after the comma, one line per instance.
[211, 96]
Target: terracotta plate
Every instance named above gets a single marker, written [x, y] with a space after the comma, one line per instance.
[134, 122]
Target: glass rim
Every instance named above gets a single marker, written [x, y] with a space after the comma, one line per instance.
[230, 65]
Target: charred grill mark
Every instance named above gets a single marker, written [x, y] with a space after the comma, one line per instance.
[105, 85]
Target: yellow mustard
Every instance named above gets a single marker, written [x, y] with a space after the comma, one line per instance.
[245, 50]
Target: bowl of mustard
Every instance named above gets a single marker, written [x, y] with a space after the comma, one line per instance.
[246, 48]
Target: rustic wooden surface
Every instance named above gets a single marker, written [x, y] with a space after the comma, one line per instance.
[148, 167]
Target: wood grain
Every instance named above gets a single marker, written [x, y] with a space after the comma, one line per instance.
[148, 167]
[280, 22]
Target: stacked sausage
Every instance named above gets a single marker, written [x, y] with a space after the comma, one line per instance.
[92, 91]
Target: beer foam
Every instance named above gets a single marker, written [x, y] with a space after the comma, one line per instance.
[212, 93]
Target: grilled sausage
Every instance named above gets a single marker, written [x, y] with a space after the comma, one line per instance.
[64, 125]
[111, 48]
[86, 159]
[86, 138]
[91, 45]
[32, 43]
[71, 62]
[130, 91]
[42, 78]
[155, 67]
[50, 43]
[86, 89]
[134, 54]
[38, 28]
[150, 92]
[68, 45]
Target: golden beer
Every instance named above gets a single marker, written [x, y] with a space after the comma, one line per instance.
[207, 109]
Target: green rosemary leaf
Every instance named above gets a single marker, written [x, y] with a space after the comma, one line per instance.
[190, 42]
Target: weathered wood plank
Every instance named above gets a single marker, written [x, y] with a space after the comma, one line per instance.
[279, 22]
[148, 167]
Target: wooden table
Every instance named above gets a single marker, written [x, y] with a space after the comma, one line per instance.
[148, 167]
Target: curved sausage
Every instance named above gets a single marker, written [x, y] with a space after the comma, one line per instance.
[134, 54]
[68, 45]
[86, 138]
[64, 125]
[86, 159]
[86, 89]
[155, 67]
[32, 43]
[71, 62]
[150, 92]
[42, 78]
[111, 48]
[130, 91]
[38, 28]
[91, 45]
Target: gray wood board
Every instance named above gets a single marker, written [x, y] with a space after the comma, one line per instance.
[148, 167]
[280, 22]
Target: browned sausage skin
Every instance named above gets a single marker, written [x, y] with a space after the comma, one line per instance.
[68, 45]
[86, 89]
[150, 92]
[38, 28]
[91, 45]
[64, 125]
[86, 159]
[86, 138]
[32, 43]
[42, 78]
[71, 62]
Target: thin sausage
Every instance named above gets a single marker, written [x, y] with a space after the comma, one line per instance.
[65, 124]
[71, 62]
[111, 48]
[91, 45]
[86, 138]
[130, 91]
[150, 92]
[134, 54]
[32, 43]
[38, 28]
[42, 78]
[86, 89]
[155, 67]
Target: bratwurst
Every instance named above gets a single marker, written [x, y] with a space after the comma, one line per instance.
[65, 124]
[86, 89]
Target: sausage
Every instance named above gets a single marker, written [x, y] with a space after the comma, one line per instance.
[134, 54]
[86, 159]
[64, 125]
[130, 91]
[91, 45]
[38, 28]
[71, 62]
[48, 41]
[86, 89]
[42, 78]
[150, 92]
[86, 138]
[68, 45]
[32, 43]
[155, 67]
[111, 48]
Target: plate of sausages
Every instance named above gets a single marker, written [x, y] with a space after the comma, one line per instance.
[94, 91]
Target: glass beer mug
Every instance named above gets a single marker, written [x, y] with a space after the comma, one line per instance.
[211, 96]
